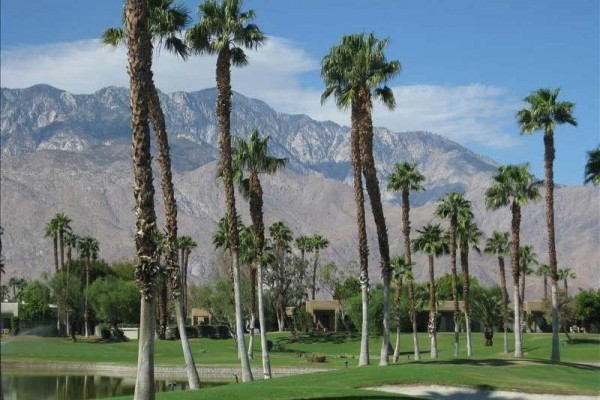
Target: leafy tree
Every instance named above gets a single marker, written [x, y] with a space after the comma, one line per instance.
[139, 57]
[592, 167]
[67, 292]
[114, 300]
[340, 285]
[565, 274]
[124, 270]
[544, 112]
[588, 309]
[513, 186]
[431, 241]
[567, 315]
[225, 30]
[499, 245]
[35, 307]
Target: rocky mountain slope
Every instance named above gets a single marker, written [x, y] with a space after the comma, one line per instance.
[71, 153]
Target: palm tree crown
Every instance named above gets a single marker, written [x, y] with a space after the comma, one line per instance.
[406, 176]
[431, 240]
[88, 248]
[512, 182]
[224, 27]
[318, 242]
[498, 244]
[454, 206]
[545, 112]
[281, 235]
[166, 21]
[592, 167]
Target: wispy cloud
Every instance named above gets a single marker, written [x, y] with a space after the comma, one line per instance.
[468, 114]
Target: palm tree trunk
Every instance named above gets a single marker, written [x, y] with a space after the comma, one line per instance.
[314, 275]
[566, 288]
[69, 254]
[61, 236]
[413, 318]
[223, 74]
[140, 60]
[549, 154]
[453, 223]
[55, 243]
[253, 311]
[515, 242]
[87, 308]
[192, 372]
[164, 296]
[545, 286]
[363, 249]
[464, 261]
[432, 309]
[263, 326]
[504, 301]
[397, 296]
[372, 184]
[522, 283]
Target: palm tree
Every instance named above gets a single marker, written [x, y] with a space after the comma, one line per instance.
[513, 186]
[13, 282]
[1, 255]
[543, 271]
[62, 223]
[140, 75]
[332, 69]
[185, 244]
[318, 243]
[4, 293]
[304, 244]
[166, 21]
[527, 257]
[252, 156]
[410, 279]
[355, 71]
[468, 235]
[431, 241]
[225, 30]
[282, 237]
[71, 241]
[543, 114]
[51, 230]
[499, 245]
[400, 269]
[453, 206]
[88, 250]
[565, 274]
[592, 167]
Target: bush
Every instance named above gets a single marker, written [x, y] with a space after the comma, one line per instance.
[222, 332]
[269, 345]
[206, 331]
[14, 325]
[105, 332]
[173, 332]
[316, 358]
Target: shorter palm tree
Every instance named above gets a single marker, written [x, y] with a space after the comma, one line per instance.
[565, 274]
[543, 271]
[88, 250]
[185, 244]
[51, 230]
[527, 258]
[318, 243]
[499, 244]
[304, 244]
[432, 242]
[592, 167]
[400, 269]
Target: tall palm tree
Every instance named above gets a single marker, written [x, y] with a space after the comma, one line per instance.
[51, 230]
[400, 269]
[564, 274]
[592, 167]
[252, 157]
[412, 309]
[281, 236]
[333, 68]
[225, 30]
[513, 186]
[185, 245]
[431, 241]
[71, 240]
[166, 21]
[139, 57]
[453, 206]
[304, 244]
[544, 112]
[318, 243]
[499, 244]
[88, 250]
[355, 71]
[63, 224]
[527, 258]
[468, 235]
[543, 271]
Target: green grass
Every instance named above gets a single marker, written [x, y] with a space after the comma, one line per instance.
[338, 348]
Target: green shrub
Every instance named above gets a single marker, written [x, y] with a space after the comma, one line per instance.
[269, 345]
[105, 332]
[222, 332]
[316, 358]
[206, 331]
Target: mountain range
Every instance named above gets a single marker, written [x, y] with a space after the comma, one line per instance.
[71, 153]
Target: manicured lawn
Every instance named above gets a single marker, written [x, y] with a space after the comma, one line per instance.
[338, 348]
[527, 376]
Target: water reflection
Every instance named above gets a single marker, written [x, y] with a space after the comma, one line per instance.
[27, 386]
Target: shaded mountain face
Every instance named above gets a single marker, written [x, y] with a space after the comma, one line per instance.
[71, 153]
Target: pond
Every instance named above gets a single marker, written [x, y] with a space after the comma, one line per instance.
[22, 385]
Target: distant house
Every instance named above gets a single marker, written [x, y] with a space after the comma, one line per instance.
[200, 316]
[7, 311]
[325, 314]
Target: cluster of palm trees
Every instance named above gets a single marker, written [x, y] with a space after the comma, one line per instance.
[355, 72]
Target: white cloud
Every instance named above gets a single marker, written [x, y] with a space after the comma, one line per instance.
[468, 114]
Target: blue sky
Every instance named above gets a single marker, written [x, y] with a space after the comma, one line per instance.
[466, 64]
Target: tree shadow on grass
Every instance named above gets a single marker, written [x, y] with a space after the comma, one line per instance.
[499, 362]
[369, 396]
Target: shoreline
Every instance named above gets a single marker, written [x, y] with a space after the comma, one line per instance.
[207, 373]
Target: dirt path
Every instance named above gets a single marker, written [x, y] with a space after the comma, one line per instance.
[436, 392]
